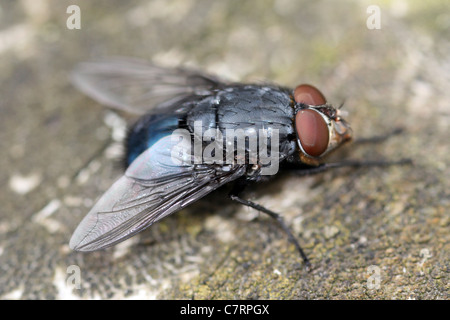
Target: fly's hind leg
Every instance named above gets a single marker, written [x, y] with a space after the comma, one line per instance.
[234, 195]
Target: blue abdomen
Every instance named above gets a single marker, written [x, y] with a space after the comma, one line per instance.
[148, 130]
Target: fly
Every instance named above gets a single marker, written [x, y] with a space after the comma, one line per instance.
[196, 133]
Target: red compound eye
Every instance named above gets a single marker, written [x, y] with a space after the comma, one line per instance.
[312, 132]
[308, 94]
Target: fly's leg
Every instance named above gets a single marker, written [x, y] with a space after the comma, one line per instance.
[380, 138]
[350, 163]
[234, 195]
[357, 163]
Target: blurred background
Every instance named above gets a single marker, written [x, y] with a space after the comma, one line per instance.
[374, 233]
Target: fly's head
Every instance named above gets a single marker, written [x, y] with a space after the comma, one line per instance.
[320, 127]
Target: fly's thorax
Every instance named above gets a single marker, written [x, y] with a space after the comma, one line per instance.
[246, 124]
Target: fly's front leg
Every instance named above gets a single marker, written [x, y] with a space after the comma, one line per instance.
[234, 195]
[349, 163]
[380, 138]
[357, 163]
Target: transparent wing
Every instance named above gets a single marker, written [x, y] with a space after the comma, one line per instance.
[162, 180]
[137, 86]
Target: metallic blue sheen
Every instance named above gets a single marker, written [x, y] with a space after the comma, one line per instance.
[147, 131]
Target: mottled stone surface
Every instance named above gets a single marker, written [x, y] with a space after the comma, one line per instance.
[373, 233]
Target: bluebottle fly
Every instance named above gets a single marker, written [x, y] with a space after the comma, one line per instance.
[169, 162]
